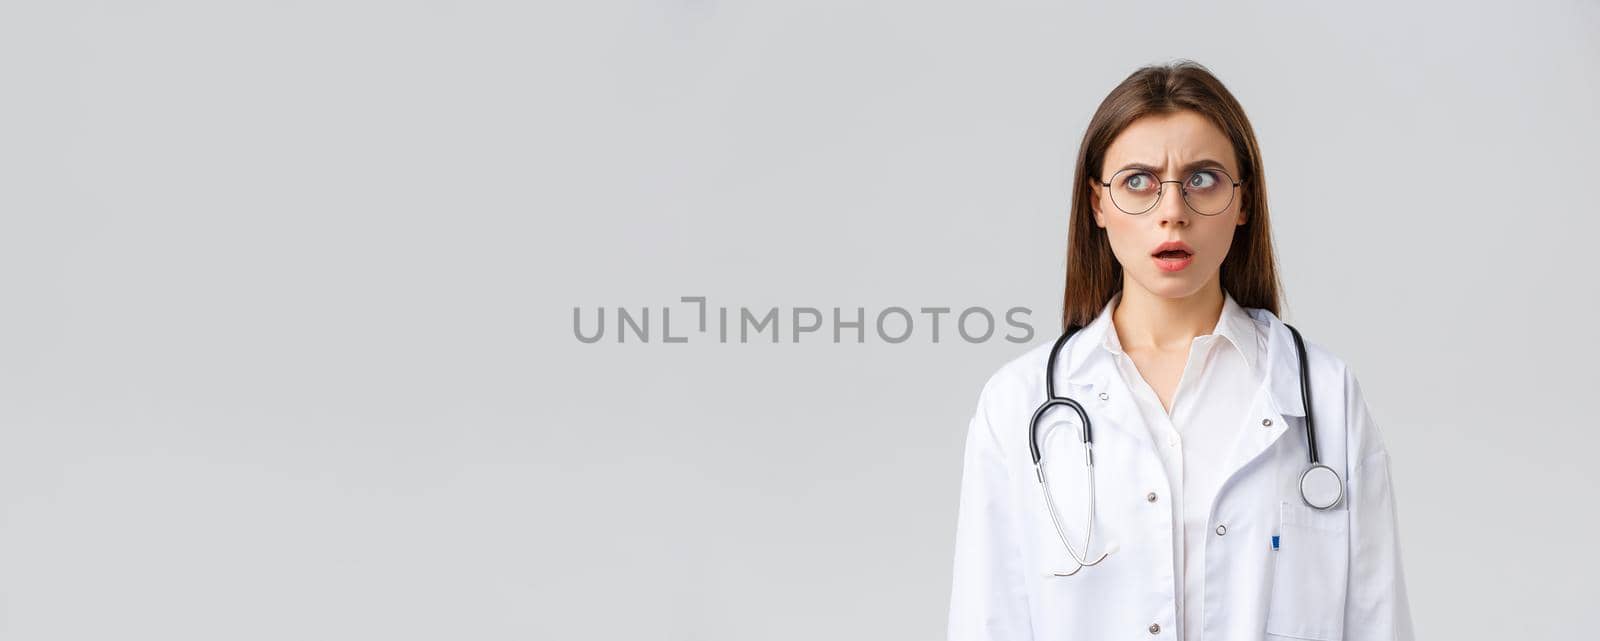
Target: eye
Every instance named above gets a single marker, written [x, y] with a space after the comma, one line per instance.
[1203, 179]
[1138, 181]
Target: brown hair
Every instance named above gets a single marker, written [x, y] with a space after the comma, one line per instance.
[1249, 271]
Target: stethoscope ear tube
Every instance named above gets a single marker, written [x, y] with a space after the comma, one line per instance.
[1052, 401]
[1033, 430]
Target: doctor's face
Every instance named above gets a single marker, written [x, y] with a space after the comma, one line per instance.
[1177, 147]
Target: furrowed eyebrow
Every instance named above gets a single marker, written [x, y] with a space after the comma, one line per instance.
[1198, 164]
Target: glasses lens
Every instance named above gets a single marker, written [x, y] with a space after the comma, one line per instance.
[1209, 191]
[1134, 190]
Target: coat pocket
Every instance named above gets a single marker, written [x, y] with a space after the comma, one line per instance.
[1309, 573]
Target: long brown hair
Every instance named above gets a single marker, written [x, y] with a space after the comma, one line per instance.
[1249, 271]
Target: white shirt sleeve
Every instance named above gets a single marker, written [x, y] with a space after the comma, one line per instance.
[988, 597]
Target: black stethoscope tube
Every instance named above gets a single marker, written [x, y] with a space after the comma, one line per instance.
[1053, 401]
[1320, 486]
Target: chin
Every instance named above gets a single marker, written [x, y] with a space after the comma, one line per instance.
[1174, 286]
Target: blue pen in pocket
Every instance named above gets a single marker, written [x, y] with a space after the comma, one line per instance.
[1274, 543]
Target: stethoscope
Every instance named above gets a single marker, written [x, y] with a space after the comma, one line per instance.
[1320, 486]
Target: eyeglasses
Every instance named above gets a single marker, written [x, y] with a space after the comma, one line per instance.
[1208, 191]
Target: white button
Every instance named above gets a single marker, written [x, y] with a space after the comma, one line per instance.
[1104, 396]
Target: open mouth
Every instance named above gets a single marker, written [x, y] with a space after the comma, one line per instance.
[1173, 256]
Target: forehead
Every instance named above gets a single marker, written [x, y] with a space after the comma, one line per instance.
[1183, 136]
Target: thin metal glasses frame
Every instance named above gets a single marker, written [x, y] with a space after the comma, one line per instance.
[1161, 190]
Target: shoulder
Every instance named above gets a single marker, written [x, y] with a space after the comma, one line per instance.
[1323, 364]
[1326, 365]
[1019, 378]
[1364, 439]
[1339, 394]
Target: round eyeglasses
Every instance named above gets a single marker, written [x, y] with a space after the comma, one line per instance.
[1208, 191]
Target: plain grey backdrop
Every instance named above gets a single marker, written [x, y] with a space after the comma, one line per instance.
[287, 293]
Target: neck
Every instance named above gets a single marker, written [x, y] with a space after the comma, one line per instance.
[1144, 321]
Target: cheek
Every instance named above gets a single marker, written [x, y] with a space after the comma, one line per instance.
[1219, 239]
[1125, 239]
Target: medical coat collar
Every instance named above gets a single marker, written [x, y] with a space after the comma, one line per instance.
[1234, 324]
[1283, 366]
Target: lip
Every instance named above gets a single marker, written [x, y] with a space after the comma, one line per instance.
[1173, 264]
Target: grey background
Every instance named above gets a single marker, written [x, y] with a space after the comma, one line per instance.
[286, 346]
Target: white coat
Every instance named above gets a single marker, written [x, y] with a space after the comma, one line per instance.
[1336, 575]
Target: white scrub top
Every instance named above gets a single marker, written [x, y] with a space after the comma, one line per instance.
[1337, 573]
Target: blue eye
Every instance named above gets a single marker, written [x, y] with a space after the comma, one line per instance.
[1138, 181]
[1203, 180]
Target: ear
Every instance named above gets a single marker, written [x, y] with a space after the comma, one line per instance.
[1094, 204]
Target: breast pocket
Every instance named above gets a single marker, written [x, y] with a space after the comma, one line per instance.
[1309, 574]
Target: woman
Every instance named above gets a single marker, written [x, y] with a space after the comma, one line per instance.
[1191, 384]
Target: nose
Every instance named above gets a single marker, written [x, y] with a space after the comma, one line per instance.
[1171, 209]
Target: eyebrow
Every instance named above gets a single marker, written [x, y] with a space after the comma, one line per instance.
[1204, 162]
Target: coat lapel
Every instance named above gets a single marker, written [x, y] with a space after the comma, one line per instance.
[1115, 412]
[1279, 397]
[1090, 372]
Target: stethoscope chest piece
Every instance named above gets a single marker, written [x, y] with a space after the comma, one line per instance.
[1320, 487]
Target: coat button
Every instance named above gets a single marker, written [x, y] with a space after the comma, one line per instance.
[1266, 422]
[1221, 530]
[1155, 628]
[1151, 497]
[1104, 396]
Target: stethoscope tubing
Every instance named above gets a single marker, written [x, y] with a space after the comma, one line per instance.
[1087, 435]
[1086, 431]
[1305, 396]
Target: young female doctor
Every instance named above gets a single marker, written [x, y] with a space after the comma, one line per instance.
[1171, 486]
